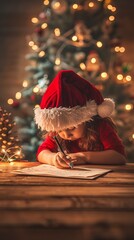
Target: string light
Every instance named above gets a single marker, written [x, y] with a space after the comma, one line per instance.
[25, 83]
[57, 32]
[44, 25]
[42, 54]
[111, 18]
[91, 4]
[35, 47]
[82, 66]
[18, 95]
[120, 77]
[57, 61]
[99, 44]
[31, 43]
[46, 2]
[104, 75]
[74, 38]
[34, 20]
[128, 107]
[75, 6]
[93, 60]
[10, 101]
[36, 89]
[128, 78]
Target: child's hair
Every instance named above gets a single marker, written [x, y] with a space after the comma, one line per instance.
[90, 142]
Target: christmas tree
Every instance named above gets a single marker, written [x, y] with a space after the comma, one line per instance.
[9, 143]
[81, 35]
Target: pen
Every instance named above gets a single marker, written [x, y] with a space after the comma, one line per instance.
[60, 147]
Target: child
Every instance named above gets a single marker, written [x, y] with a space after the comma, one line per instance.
[74, 111]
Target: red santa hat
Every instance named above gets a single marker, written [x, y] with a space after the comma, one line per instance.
[69, 101]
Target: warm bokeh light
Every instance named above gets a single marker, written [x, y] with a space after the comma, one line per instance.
[41, 54]
[99, 44]
[57, 61]
[36, 89]
[25, 83]
[120, 77]
[75, 6]
[46, 2]
[44, 25]
[93, 60]
[128, 107]
[34, 20]
[82, 66]
[10, 101]
[57, 32]
[74, 38]
[18, 95]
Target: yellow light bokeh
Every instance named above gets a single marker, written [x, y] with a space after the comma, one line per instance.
[34, 20]
[18, 95]
[99, 44]
[10, 101]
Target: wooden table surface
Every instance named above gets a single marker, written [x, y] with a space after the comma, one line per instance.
[45, 208]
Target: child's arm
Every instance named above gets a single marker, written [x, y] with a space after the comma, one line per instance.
[56, 159]
[102, 157]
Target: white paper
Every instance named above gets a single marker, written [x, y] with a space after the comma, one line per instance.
[81, 172]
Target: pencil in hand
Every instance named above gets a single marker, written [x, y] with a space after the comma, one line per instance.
[70, 164]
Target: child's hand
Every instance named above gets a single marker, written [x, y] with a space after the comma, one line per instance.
[61, 161]
[78, 158]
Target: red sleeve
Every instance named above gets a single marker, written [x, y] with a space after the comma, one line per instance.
[48, 144]
[110, 138]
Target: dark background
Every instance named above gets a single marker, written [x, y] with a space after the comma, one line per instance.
[15, 26]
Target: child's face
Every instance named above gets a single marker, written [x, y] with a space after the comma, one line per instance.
[73, 133]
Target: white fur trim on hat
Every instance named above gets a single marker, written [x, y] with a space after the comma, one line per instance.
[57, 119]
[106, 108]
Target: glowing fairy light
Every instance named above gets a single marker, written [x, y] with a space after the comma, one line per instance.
[111, 18]
[122, 49]
[128, 78]
[74, 38]
[128, 107]
[36, 89]
[91, 4]
[82, 66]
[109, 6]
[44, 25]
[57, 61]
[25, 83]
[18, 95]
[56, 5]
[99, 44]
[75, 6]
[104, 75]
[41, 54]
[117, 49]
[31, 43]
[34, 47]
[93, 60]
[46, 2]
[120, 77]
[113, 9]
[57, 32]
[10, 101]
[34, 20]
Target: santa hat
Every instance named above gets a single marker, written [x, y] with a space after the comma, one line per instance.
[69, 101]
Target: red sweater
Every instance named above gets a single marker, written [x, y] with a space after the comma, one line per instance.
[107, 139]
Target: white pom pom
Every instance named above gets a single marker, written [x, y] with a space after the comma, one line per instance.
[106, 108]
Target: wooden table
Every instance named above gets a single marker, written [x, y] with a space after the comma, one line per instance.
[46, 208]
